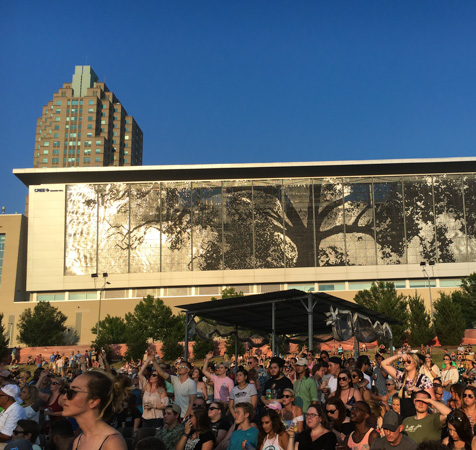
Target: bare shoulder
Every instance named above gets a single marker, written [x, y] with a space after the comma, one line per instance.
[114, 442]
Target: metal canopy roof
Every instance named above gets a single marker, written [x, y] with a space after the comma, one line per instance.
[245, 171]
[290, 313]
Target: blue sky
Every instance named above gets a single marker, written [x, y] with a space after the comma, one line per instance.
[250, 81]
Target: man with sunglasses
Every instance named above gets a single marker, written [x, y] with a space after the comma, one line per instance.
[222, 384]
[425, 426]
[12, 411]
[363, 435]
[185, 389]
[305, 388]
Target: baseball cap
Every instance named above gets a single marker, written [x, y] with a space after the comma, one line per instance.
[301, 362]
[12, 390]
[391, 421]
[276, 406]
[335, 360]
[175, 408]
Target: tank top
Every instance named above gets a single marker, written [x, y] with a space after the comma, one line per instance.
[154, 399]
[363, 444]
[272, 444]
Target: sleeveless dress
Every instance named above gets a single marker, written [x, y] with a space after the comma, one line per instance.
[272, 444]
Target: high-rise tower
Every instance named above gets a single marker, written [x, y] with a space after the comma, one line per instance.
[86, 125]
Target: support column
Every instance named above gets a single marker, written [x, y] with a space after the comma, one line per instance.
[273, 328]
[236, 349]
[185, 347]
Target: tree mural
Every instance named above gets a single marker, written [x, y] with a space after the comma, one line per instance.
[233, 225]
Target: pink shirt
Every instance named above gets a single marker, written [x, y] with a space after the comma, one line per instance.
[222, 387]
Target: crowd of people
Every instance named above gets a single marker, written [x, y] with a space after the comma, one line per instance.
[303, 401]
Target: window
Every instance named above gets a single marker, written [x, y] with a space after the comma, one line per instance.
[91, 102]
[58, 111]
[87, 151]
[422, 283]
[89, 134]
[98, 150]
[56, 135]
[56, 152]
[98, 142]
[57, 119]
[46, 144]
[90, 117]
[87, 160]
[74, 102]
[103, 122]
[91, 110]
[97, 159]
[58, 102]
[49, 297]
[332, 287]
[56, 127]
[456, 282]
[55, 160]
[90, 126]
[56, 143]
[44, 160]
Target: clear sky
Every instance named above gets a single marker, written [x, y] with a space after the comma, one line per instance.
[249, 81]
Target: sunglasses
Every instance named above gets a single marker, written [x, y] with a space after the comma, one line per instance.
[71, 393]
[18, 432]
[342, 378]
[213, 408]
[153, 375]
[355, 376]
[389, 384]
[331, 411]
[454, 418]
[182, 367]
[446, 359]
[287, 396]
[468, 396]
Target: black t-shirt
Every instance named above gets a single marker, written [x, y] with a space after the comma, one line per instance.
[127, 417]
[196, 444]
[278, 385]
[327, 441]
[221, 424]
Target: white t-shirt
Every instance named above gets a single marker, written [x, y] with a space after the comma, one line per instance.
[182, 392]
[10, 417]
[243, 395]
[332, 383]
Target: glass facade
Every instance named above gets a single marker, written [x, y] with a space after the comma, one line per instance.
[263, 224]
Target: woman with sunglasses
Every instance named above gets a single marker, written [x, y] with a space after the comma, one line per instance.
[53, 408]
[459, 430]
[429, 368]
[291, 413]
[339, 422]
[317, 435]
[345, 390]
[92, 398]
[469, 374]
[154, 399]
[449, 373]
[360, 382]
[271, 432]
[410, 379]
[390, 391]
[218, 424]
[469, 404]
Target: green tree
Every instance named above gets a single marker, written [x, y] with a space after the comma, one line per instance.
[136, 343]
[171, 349]
[466, 299]
[449, 320]
[383, 298]
[421, 329]
[44, 326]
[112, 330]
[156, 320]
[230, 346]
[201, 347]
[3, 339]
[151, 319]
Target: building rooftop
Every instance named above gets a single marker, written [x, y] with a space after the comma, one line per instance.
[246, 171]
